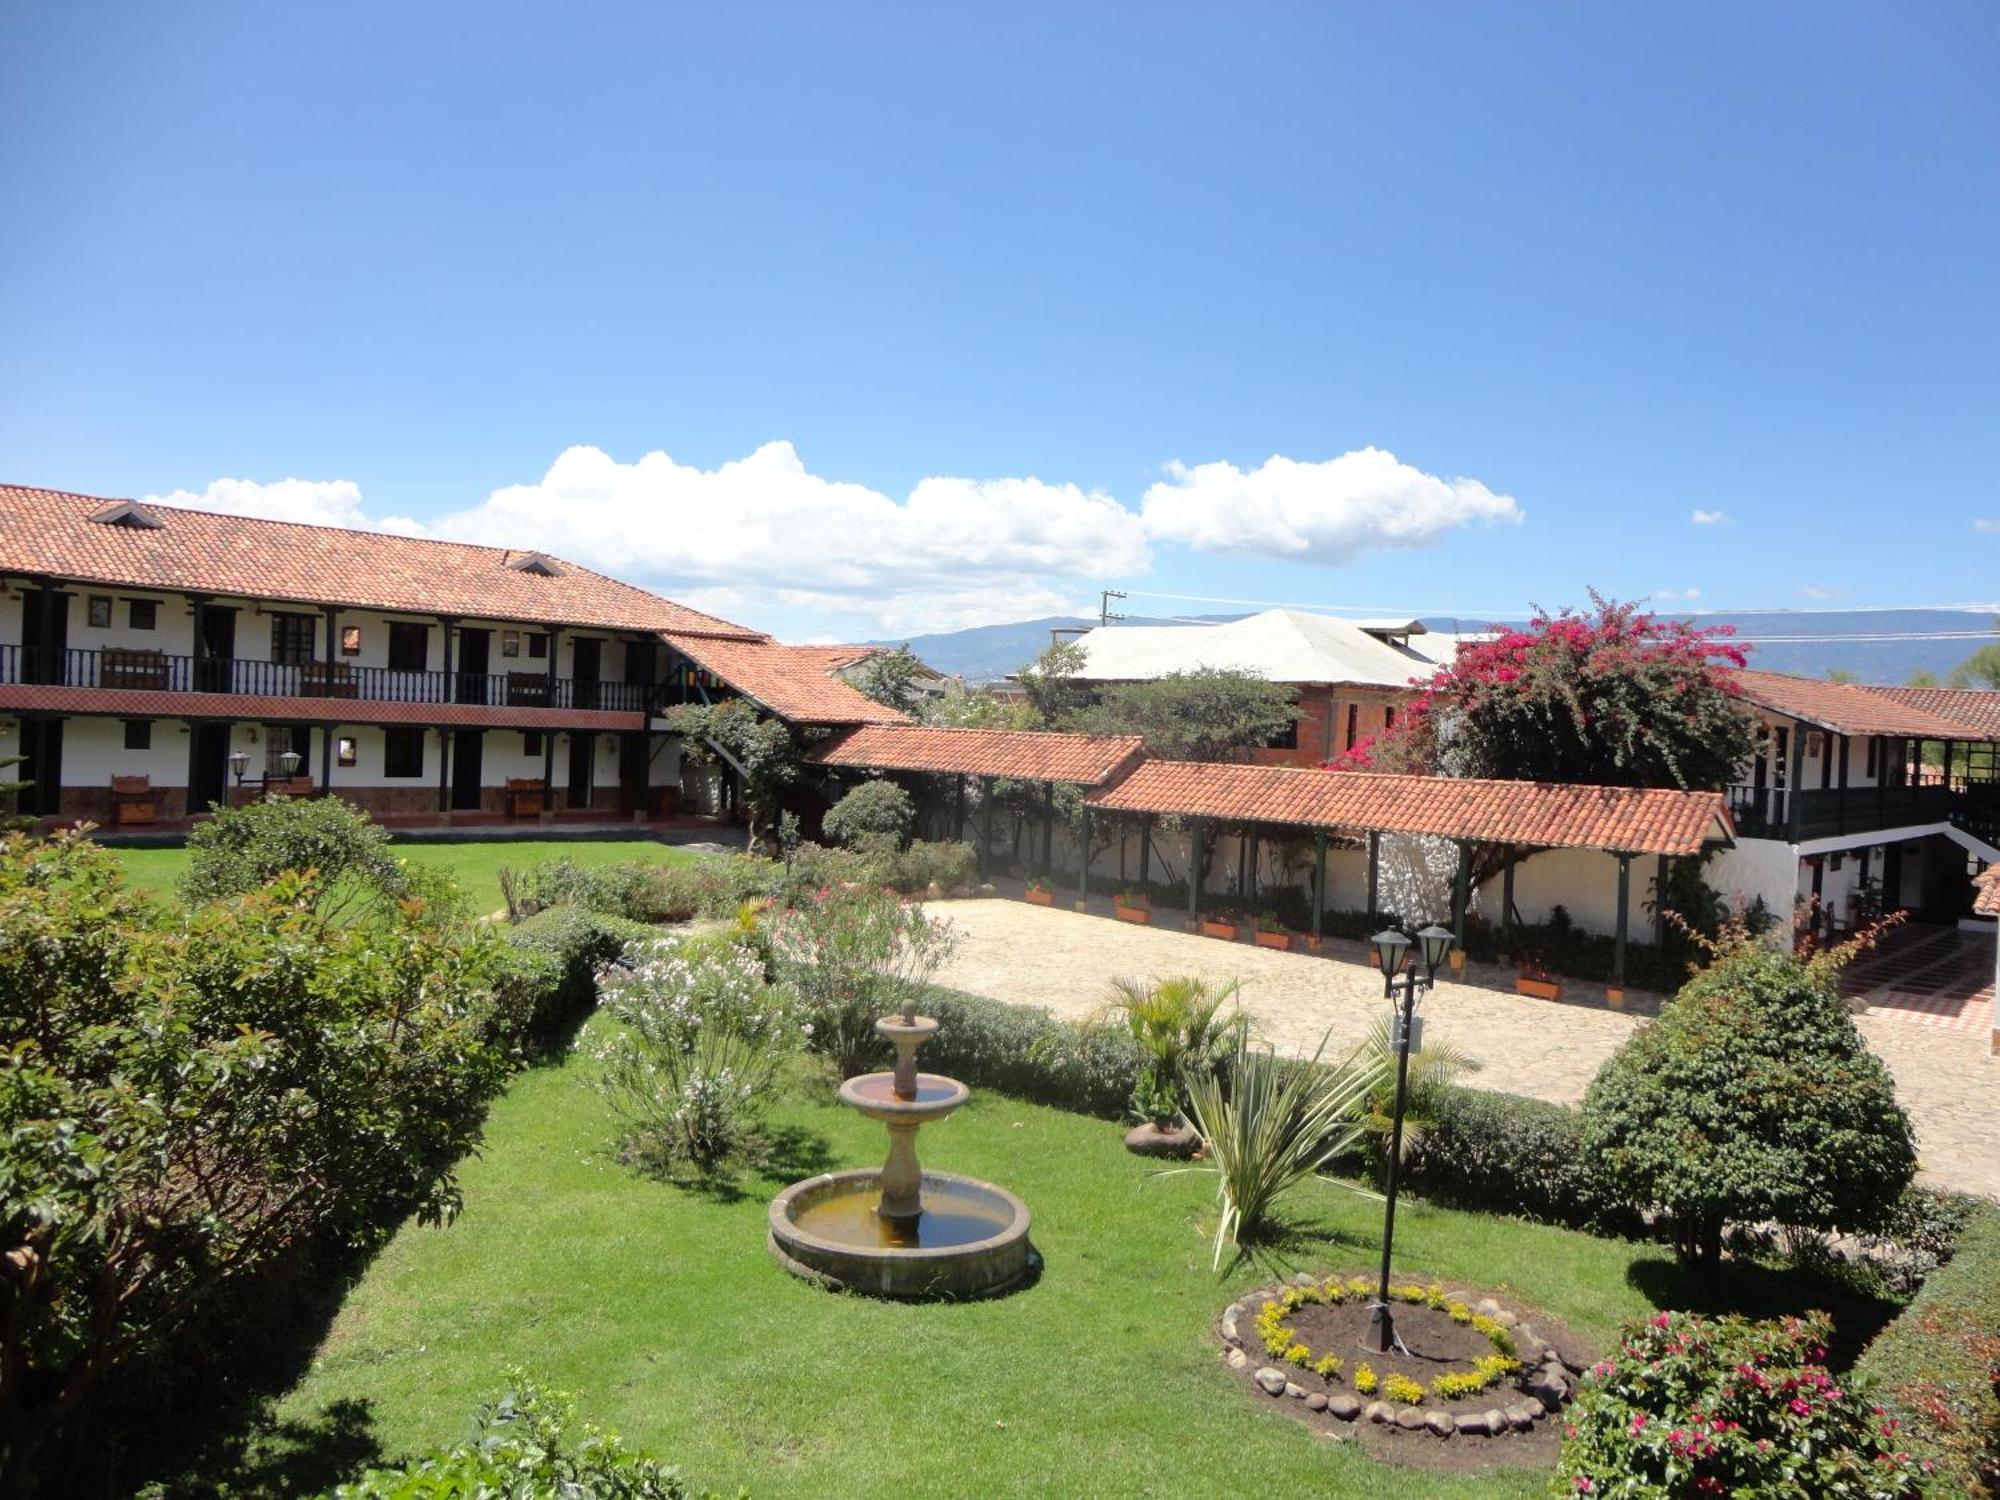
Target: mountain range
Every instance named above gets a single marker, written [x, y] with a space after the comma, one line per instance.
[1806, 643]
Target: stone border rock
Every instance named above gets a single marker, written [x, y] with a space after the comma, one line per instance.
[1547, 1384]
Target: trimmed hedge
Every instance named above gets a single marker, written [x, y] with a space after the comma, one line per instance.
[1936, 1366]
[1503, 1153]
[1033, 1054]
[548, 974]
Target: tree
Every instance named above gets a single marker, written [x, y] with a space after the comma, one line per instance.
[873, 814]
[891, 678]
[1210, 713]
[1923, 677]
[1979, 670]
[187, 1096]
[763, 751]
[1613, 698]
[1050, 681]
[240, 849]
[1840, 676]
[1752, 1099]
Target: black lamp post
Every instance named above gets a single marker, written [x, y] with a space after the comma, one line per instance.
[1390, 948]
[239, 762]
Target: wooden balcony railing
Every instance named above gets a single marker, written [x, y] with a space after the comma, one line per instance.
[163, 672]
[1767, 812]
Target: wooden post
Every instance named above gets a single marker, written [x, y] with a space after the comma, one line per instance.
[1624, 921]
[1249, 866]
[1660, 903]
[326, 730]
[1145, 850]
[1083, 862]
[1319, 883]
[958, 811]
[985, 824]
[1461, 892]
[188, 809]
[1374, 868]
[1048, 829]
[1195, 831]
[1841, 823]
[1507, 908]
[549, 739]
[1793, 789]
[444, 773]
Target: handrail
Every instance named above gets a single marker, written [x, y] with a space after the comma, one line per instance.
[147, 670]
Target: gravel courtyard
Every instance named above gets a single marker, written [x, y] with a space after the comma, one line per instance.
[1065, 960]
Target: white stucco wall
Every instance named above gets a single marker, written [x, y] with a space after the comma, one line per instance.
[1582, 881]
[1753, 868]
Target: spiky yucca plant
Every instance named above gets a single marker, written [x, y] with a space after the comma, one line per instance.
[1266, 1122]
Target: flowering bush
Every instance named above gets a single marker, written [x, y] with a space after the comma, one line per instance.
[1696, 1406]
[702, 1038]
[1613, 698]
[852, 957]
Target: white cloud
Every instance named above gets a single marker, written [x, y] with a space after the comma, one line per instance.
[762, 532]
[1989, 525]
[1666, 594]
[1316, 512]
[1709, 518]
[1819, 591]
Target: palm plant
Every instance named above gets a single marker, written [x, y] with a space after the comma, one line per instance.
[1434, 1068]
[1272, 1123]
[1180, 1026]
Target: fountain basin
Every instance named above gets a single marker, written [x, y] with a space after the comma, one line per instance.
[971, 1239]
[874, 1094]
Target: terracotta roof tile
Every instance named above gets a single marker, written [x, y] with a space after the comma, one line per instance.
[144, 703]
[1845, 707]
[1978, 709]
[50, 532]
[1024, 754]
[1526, 813]
[1987, 902]
[793, 682]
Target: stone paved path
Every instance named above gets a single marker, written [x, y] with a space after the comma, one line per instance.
[1065, 960]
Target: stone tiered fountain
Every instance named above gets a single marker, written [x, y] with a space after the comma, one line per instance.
[901, 1231]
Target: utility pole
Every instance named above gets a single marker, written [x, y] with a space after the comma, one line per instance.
[1104, 614]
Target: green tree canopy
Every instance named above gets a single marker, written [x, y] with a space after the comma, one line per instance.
[1210, 713]
[1752, 1099]
[891, 678]
[1050, 681]
[1979, 670]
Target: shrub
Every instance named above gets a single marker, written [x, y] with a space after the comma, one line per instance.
[189, 1095]
[948, 866]
[525, 1444]
[547, 976]
[1273, 1122]
[874, 814]
[240, 849]
[1502, 1153]
[852, 957]
[1938, 1365]
[1751, 1098]
[1032, 1054]
[1694, 1406]
[641, 891]
[1179, 1027]
[701, 1039]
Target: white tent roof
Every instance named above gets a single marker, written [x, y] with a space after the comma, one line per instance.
[1284, 645]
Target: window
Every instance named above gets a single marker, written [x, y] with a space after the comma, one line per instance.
[278, 738]
[350, 640]
[292, 639]
[409, 646]
[538, 645]
[100, 611]
[145, 613]
[510, 643]
[1388, 717]
[345, 751]
[1353, 724]
[138, 734]
[1285, 739]
[402, 752]
[531, 742]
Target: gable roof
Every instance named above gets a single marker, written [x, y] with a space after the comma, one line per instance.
[1526, 813]
[1283, 645]
[1845, 707]
[1977, 709]
[62, 535]
[794, 682]
[1024, 754]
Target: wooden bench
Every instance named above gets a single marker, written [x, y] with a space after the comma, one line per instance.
[524, 796]
[132, 667]
[327, 679]
[132, 800]
[528, 689]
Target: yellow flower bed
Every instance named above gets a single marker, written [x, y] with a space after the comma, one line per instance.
[1281, 1340]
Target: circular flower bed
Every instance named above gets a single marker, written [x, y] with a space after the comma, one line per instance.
[1282, 1341]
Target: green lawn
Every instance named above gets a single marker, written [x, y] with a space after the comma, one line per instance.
[474, 866]
[660, 1307]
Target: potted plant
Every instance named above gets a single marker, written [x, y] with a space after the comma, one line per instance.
[1270, 932]
[1220, 924]
[1307, 942]
[1532, 978]
[1132, 906]
[1039, 893]
[1184, 1026]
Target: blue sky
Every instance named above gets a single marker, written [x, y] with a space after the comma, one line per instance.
[942, 314]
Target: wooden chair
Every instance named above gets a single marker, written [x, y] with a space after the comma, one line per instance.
[132, 801]
[524, 796]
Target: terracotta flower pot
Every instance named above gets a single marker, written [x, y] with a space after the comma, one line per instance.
[1458, 960]
[1140, 914]
[1537, 989]
[1280, 940]
[1614, 997]
[1041, 898]
[1307, 942]
[1224, 930]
